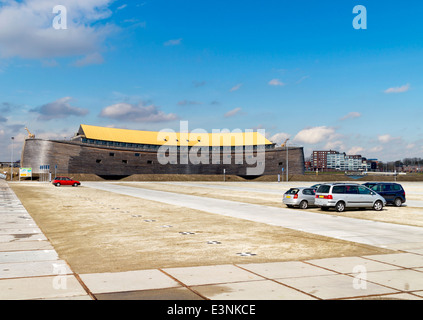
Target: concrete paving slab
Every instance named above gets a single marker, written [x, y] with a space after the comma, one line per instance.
[25, 246]
[336, 287]
[404, 280]
[351, 265]
[83, 297]
[194, 276]
[405, 260]
[28, 256]
[33, 269]
[22, 217]
[410, 246]
[290, 269]
[418, 293]
[181, 293]
[31, 230]
[127, 281]
[416, 251]
[395, 296]
[22, 237]
[251, 290]
[16, 225]
[40, 287]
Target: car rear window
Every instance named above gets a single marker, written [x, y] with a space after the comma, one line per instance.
[396, 187]
[323, 189]
[292, 191]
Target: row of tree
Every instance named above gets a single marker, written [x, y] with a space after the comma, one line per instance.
[394, 165]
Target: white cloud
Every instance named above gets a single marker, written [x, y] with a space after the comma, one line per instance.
[276, 82]
[235, 88]
[232, 112]
[58, 109]
[174, 42]
[315, 135]
[136, 113]
[280, 137]
[26, 28]
[355, 150]
[351, 115]
[376, 149]
[401, 89]
[334, 145]
[385, 138]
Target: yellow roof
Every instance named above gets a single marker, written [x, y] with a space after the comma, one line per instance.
[174, 138]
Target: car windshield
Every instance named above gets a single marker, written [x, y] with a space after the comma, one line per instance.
[292, 191]
[323, 189]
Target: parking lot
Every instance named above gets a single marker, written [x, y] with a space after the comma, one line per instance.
[103, 229]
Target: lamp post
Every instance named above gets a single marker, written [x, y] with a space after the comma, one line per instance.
[287, 160]
[11, 162]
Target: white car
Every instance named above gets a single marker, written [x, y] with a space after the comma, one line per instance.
[347, 195]
[2, 176]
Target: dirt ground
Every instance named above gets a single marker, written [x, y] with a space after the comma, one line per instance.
[99, 231]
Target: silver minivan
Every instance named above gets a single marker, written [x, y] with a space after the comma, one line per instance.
[347, 195]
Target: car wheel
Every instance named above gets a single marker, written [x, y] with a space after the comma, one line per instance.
[378, 206]
[75, 184]
[340, 206]
[303, 205]
[58, 184]
[398, 202]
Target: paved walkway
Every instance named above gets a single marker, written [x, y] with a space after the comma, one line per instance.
[31, 269]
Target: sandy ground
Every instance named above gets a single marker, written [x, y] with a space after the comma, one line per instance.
[406, 215]
[99, 231]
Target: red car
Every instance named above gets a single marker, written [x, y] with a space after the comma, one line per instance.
[65, 181]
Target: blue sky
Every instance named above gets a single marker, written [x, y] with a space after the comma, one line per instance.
[297, 69]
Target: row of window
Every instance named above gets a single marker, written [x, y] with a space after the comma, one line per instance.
[125, 161]
[156, 147]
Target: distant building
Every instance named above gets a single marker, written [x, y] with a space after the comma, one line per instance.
[330, 160]
[319, 159]
[411, 169]
[374, 164]
[308, 166]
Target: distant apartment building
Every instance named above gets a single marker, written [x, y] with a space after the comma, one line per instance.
[319, 159]
[331, 160]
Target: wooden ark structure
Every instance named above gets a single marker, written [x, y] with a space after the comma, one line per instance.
[116, 153]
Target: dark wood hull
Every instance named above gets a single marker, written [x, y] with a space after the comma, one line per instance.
[79, 158]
